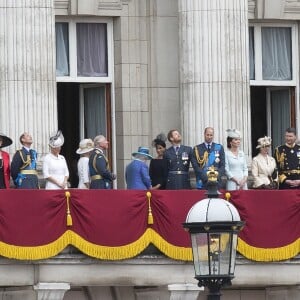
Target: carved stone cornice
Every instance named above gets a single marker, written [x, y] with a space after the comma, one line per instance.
[92, 7]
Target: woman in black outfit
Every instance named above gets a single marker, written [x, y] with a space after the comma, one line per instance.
[158, 169]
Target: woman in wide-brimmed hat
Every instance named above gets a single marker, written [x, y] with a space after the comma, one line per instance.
[4, 162]
[84, 150]
[263, 167]
[137, 172]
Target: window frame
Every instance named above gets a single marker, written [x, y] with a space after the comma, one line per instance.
[258, 55]
[73, 77]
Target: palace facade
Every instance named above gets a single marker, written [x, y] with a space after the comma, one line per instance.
[130, 69]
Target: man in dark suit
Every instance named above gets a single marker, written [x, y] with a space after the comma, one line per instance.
[101, 176]
[23, 165]
[287, 158]
[206, 155]
[179, 158]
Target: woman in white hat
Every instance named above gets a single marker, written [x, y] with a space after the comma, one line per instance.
[235, 162]
[85, 148]
[55, 169]
[4, 162]
[263, 167]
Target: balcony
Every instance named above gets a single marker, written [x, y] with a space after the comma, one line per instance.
[131, 239]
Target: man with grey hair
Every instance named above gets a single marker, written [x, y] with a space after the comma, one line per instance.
[101, 176]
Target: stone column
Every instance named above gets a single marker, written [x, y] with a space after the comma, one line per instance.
[51, 291]
[214, 79]
[27, 70]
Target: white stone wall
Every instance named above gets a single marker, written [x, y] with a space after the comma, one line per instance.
[27, 77]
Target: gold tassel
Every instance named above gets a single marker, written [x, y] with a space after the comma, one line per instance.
[227, 196]
[150, 216]
[69, 217]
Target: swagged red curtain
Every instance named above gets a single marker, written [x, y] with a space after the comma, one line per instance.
[120, 224]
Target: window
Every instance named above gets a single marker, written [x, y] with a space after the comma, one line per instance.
[91, 49]
[272, 51]
[273, 59]
[62, 49]
[84, 75]
[83, 50]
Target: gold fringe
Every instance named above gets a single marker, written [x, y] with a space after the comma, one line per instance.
[271, 254]
[150, 216]
[96, 251]
[135, 248]
[69, 217]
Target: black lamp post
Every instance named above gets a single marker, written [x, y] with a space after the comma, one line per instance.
[213, 224]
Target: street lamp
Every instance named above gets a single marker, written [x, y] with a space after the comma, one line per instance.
[213, 224]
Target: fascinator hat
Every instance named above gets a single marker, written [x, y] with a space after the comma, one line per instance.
[159, 140]
[263, 142]
[142, 151]
[233, 133]
[85, 146]
[56, 139]
[6, 141]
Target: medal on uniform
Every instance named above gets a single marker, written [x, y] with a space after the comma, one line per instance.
[292, 151]
[217, 160]
[184, 157]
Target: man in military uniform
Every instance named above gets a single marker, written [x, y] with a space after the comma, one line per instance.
[287, 158]
[208, 154]
[101, 176]
[179, 158]
[23, 165]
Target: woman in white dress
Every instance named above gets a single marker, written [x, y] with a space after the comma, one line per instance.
[235, 162]
[263, 167]
[85, 148]
[55, 169]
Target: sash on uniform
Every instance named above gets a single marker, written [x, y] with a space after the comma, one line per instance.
[210, 161]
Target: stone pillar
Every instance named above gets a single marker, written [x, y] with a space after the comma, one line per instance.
[51, 291]
[27, 74]
[214, 79]
[184, 291]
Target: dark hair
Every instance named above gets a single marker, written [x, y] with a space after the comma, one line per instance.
[291, 130]
[159, 141]
[229, 139]
[170, 134]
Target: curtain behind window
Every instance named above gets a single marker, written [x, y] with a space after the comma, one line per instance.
[280, 115]
[276, 53]
[251, 53]
[91, 49]
[62, 49]
[94, 112]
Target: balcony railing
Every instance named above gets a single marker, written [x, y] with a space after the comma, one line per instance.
[120, 224]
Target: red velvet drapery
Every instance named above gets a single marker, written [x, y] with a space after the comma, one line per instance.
[114, 224]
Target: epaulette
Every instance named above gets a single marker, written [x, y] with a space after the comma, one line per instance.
[25, 162]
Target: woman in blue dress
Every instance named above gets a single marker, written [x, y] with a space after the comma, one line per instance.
[235, 162]
[137, 172]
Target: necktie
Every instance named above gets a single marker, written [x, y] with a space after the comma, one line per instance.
[208, 147]
[177, 149]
